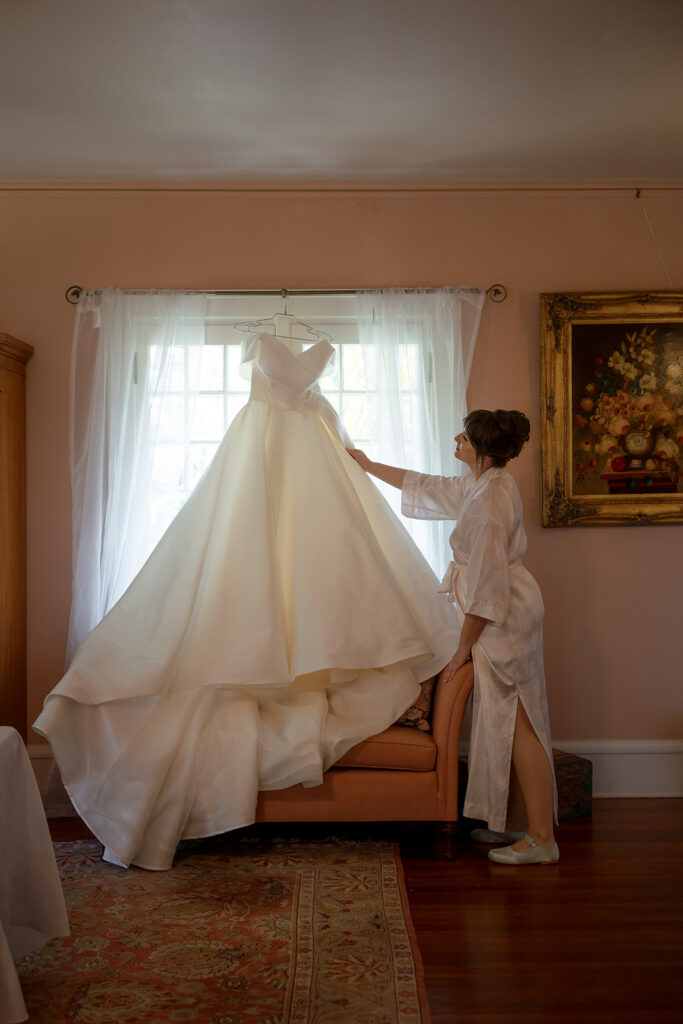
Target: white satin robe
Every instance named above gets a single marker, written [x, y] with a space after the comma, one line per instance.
[487, 578]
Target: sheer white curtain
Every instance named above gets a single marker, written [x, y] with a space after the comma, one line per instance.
[132, 356]
[136, 372]
[418, 347]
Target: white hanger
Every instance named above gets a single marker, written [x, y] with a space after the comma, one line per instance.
[285, 326]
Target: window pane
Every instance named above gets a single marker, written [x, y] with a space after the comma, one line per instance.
[168, 417]
[199, 458]
[154, 363]
[235, 381]
[168, 467]
[360, 416]
[211, 373]
[164, 507]
[360, 368]
[409, 416]
[168, 368]
[408, 379]
[371, 450]
[168, 486]
[207, 418]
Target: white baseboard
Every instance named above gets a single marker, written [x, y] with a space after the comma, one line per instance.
[621, 768]
[39, 751]
[55, 798]
[631, 768]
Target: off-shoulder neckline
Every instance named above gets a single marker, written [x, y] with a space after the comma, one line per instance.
[282, 344]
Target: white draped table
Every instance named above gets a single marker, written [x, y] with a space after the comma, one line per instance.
[32, 907]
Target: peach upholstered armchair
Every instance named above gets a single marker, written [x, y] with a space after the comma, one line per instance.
[401, 774]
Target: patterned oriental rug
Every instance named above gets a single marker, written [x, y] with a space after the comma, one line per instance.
[239, 932]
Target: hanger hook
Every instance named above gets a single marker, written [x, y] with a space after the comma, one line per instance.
[283, 293]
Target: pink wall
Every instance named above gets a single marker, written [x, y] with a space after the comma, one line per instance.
[613, 594]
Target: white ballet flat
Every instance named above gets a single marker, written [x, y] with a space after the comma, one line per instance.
[111, 858]
[486, 835]
[535, 855]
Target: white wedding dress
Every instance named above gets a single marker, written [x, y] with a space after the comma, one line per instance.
[284, 616]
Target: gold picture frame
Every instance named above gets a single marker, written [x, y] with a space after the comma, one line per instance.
[611, 402]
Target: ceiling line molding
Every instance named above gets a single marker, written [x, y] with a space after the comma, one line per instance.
[398, 189]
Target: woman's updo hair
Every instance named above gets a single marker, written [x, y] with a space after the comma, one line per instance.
[500, 435]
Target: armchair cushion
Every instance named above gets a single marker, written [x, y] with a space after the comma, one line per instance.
[400, 748]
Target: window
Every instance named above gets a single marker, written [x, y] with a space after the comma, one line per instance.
[204, 391]
[156, 384]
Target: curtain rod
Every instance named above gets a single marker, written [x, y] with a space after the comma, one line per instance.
[496, 292]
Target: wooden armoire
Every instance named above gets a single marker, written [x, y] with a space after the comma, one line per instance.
[14, 355]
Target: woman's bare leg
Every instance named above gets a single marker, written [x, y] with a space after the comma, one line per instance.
[535, 779]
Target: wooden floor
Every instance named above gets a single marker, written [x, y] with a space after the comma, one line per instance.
[595, 939]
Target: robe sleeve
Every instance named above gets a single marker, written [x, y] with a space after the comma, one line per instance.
[432, 497]
[488, 572]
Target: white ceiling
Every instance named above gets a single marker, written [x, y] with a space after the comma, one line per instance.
[341, 89]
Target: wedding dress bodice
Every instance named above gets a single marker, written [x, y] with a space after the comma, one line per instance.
[280, 377]
[286, 381]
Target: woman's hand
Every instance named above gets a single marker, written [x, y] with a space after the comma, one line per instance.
[361, 458]
[472, 628]
[460, 658]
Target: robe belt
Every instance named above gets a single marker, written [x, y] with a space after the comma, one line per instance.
[447, 585]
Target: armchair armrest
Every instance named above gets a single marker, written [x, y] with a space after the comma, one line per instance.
[450, 700]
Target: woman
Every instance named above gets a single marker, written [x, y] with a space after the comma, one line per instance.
[502, 614]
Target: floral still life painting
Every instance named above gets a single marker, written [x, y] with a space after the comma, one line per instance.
[612, 404]
[627, 386]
